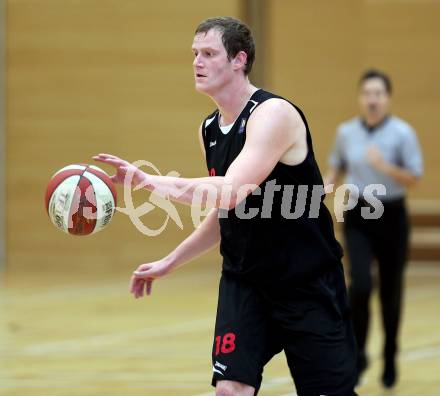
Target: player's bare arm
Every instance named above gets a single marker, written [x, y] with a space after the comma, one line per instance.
[275, 133]
[202, 239]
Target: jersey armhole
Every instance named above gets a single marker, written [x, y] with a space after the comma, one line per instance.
[205, 130]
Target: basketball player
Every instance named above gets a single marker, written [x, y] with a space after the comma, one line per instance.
[377, 148]
[282, 285]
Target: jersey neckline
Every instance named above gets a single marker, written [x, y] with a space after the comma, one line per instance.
[225, 129]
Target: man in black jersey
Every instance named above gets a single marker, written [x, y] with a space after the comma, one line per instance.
[282, 285]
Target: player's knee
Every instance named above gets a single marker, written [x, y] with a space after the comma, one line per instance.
[233, 388]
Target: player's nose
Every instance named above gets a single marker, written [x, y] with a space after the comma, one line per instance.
[197, 62]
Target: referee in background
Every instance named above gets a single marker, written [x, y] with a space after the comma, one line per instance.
[377, 148]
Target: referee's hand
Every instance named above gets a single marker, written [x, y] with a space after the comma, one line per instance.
[374, 157]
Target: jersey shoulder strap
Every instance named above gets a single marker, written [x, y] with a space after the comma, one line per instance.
[261, 96]
[205, 126]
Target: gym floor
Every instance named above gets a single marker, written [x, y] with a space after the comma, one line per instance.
[74, 333]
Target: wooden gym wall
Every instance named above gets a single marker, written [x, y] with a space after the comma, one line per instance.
[90, 76]
[317, 50]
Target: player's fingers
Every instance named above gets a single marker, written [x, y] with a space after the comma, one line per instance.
[110, 159]
[104, 160]
[139, 275]
[143, 274]
[139, 289]
[145, 289]
[146, 275]
[149, 286]
[134, 289]
[104, 155]
[132, 284]
[99, 159]
[113, 162]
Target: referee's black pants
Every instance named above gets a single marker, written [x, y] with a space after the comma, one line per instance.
[386, 241]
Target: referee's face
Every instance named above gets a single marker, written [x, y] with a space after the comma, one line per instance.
[212, 68]
[374, 99]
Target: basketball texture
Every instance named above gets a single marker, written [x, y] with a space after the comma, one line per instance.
[80, 199]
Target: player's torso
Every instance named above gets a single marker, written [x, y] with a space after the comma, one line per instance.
[223, 145]
[249, 245]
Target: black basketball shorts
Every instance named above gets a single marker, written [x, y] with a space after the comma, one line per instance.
[310, 323]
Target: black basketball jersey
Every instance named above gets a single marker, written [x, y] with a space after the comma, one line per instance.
[275, 250]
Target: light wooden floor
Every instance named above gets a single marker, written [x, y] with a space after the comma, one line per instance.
[83, 334]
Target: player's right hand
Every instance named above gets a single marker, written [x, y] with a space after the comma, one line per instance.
[126, 173]
[141, 282]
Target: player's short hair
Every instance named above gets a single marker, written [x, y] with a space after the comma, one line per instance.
[236, 37]
[374, 73]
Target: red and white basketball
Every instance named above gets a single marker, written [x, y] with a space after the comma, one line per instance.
[80, 199]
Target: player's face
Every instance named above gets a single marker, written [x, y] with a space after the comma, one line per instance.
[212, 69]
[373, 98]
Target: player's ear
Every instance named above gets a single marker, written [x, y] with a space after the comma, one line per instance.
[239, 62]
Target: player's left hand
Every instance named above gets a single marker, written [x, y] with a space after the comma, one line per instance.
[142, 280]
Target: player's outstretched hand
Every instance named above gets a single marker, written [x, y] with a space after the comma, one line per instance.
[142, 280]
[125, 172]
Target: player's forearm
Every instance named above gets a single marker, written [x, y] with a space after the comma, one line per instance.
[204, 237]
[191, 191]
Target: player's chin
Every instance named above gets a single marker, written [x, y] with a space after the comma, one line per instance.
[200, 87]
